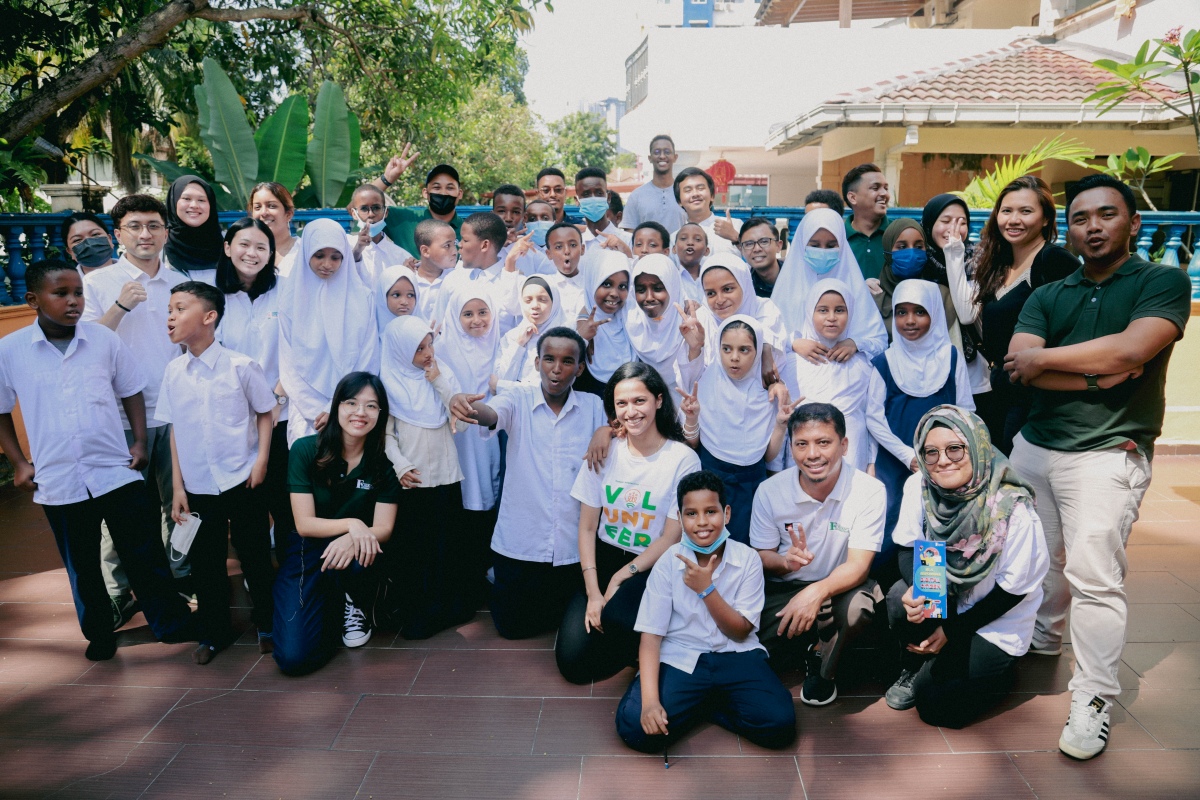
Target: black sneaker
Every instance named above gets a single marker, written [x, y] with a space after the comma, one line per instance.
[817, 691]
[900, 695]
[124, 606]
[101, 651]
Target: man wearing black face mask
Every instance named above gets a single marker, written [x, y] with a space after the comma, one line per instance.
[87, 242]
[442, 193]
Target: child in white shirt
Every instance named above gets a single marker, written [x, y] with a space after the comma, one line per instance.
[437, 247]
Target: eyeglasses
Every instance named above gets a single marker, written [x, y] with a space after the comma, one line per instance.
[761, 244]
[553, 190]
[954, 452]
[370, 408]
[375, 209]
[136, 227]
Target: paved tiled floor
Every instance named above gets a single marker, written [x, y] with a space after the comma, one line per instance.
[469, 715]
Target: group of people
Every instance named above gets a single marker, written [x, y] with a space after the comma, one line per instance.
[659, 436]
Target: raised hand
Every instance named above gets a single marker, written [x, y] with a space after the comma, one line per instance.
[432, 373]
[724, 227]
[798, 555]
[461, 406]
[696, 577]
[520, 247]
[955, 247]
[587, 326]
[690, 404]
[528, 331]
[398, 165]
[691, 329]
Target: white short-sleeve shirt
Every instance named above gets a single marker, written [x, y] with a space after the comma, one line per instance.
[672, 610]
[252, 327]
[591, 241]
[650, 203]
[716, 243]
[1022, 565]
[70, 402]
[212, 400]
[539, 519]
[851, 517]
[635, 495]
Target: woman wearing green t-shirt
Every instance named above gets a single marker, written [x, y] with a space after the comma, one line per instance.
[344, 494]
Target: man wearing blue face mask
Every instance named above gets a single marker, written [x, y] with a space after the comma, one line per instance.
[87, 242]
[374, 251]
[591, 191]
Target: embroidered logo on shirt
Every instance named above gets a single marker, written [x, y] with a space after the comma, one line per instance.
[837, 526]
[362, 485]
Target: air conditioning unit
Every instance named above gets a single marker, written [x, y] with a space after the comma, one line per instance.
[939, 12]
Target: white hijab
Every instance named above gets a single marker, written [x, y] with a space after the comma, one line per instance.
[761, 309]
[471, 359]
[329, 322]
[612, 347]
[514, 362]
[736, 416]
[387, 279]
[920, 368]
[842, 385]
[656, 341]
[411, 397]
[797, 278]
[557, 315]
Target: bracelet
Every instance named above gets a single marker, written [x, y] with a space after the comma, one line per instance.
[712, 587]
[383, 179]
[585, 569]
[117, 303]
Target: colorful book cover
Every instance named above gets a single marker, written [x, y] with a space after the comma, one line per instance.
[929, 577]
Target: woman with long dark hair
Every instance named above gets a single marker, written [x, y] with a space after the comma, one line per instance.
[630, 506]
[344, 496]
[193, 232]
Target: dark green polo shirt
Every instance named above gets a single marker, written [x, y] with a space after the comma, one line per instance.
[402, 224]
[351, 496]
[868, 250]
[1077, 310]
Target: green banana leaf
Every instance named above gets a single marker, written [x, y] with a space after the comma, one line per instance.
[201, 107]
[171, 171]
[228, 135]
[353, 178]
[328, 161]
[282, 139]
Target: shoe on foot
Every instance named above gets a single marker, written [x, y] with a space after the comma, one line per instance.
[901, 695]
[817, 691]
[355, 630]
[205, 653]
[124, 606]
[101, 651]
[1045, 649]
[1086, 733]
[266, 644]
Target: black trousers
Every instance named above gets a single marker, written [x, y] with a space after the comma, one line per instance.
[530, 597]
[134, 523]
[582, 656]
[275, 488]
[238, 515]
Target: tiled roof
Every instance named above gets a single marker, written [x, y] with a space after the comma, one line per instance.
[1023, 72]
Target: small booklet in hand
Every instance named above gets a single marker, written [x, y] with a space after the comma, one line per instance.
[929, 577]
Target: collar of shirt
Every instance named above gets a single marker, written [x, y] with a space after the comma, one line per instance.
[852, 232]
[132, 273]
[1132, 264]
[840, 489]
[39, 335]
[570, 403]
[208, 358]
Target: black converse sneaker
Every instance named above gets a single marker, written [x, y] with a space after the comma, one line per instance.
[355, 630]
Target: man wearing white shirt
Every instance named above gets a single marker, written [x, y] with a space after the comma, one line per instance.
[655, 201]
[508, 203]
[817, 526]
[591, 191]
[374, 251]
[694, 190]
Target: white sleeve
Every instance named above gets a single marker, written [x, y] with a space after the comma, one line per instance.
[962, 383]
[1024, 561]
[162, 408]
[306, 399]
[908, 523]
[962, 291]
[93, 302]
[749, 595]
[763, 534]
[508, 360]
[128, 379]
[877, 421]
[654, 613]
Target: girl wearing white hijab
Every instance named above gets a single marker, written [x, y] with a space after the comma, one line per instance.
[829, 312]
[807, 263]
[733, 422]
[602, 320]
[661, 336]
[396, 295]
[326, 326]
[921, 369]
[419, 441]
[541, 310]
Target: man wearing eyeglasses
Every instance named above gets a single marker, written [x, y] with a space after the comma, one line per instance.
[552, 188]
[131, 298]
[374, 250]
[655, 201]
[759, 243]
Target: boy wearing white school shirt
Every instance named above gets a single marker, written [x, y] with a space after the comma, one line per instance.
[221, 405]
[374, 251]
[483, 236]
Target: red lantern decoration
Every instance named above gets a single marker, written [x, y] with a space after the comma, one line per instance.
[722, 172]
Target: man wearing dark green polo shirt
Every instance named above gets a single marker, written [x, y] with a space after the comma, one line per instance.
[866, 193]
[442, 192]
[1095, 346]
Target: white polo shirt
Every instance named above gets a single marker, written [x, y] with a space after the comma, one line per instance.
[1022, 565]
[672, 610]
[427, 296]
[70, 405]
[143, 330]
[539, 519]
[852, 516]
[212, 400]
[251, 327]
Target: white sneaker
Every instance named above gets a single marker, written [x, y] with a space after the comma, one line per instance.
[1045, 649]
[355, 630]
[1086, 733]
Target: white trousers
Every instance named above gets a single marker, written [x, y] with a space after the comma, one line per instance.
[1087, 503]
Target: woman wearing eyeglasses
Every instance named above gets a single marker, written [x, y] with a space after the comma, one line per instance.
[968, 496]
[344, 497]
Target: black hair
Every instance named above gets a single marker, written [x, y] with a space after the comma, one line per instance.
[591, 172]
[817, 412]
[425, 231]
[694, 225]
[228, 280]
[702, 480]
[563, 332]
[1100, 181]
[755, 222]
[851, 179]
[690, 172]
[35, 274]
[665, 419]
[662, 137]
[537, 200]
[563, 224]
[329, 440]
[65, 226]
[369, 187]
[489, 227]
[615, 204]
[550, 171]
[209, 295]
[132, 203]
[510, 189]
[738, 325]
[827, 196]
[658, 228]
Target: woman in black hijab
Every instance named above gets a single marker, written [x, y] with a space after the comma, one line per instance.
[194, 242]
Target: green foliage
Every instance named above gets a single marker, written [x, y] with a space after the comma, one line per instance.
[984, 190]
[625, 161]
[282, 142]
[328, 162]
[582, 140]
[1135, 165]
[20, 173]
[229, 138]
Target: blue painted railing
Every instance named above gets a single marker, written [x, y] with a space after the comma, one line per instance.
[25, 238]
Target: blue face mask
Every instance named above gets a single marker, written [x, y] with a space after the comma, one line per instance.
[704, 551]
[539, 230]
[908, 263]
[593, 208]
[822, 260]
[376, 227]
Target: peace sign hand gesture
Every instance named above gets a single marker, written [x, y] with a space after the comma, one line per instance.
[398, 165]
[798, 555]
[690, 404]
[696, 577]
[587, 326]
[691, 329]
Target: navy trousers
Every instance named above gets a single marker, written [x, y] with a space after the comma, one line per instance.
[530, 597]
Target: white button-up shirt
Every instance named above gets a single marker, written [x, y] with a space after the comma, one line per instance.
[70, 403]
[212, 400]
[144, 329]
[378, 256]
[591, 241]
[252, 327]
[538, 519]
[672, 610]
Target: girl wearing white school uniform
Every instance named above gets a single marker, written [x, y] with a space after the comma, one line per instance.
[671, 342]
[602, 321]
[326, 326]
[541, 310]
[396, 295]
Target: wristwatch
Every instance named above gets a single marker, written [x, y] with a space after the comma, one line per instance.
[1091, 382]
[633, 570]
[281, 399]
